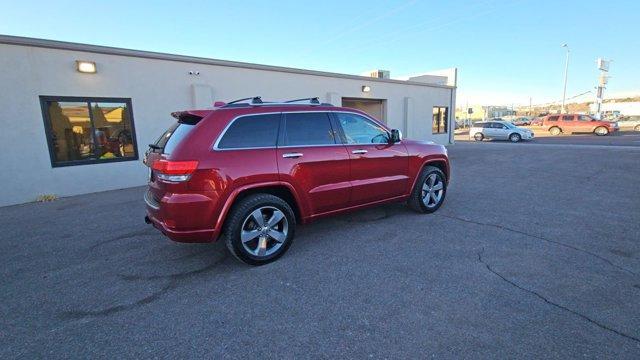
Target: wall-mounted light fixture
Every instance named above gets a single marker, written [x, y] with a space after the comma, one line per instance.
[88, 67]
[366, 88]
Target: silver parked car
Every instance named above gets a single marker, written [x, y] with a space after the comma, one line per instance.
[630, 122]
[499, 130]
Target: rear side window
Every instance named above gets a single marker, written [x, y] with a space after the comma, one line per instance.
[308, 129]
[173, 136]
[252, 131]
[567, 117]
[553, 118]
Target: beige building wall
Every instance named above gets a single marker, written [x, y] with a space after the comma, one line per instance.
[159, 84]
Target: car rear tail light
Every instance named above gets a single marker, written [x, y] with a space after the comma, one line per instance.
[174, 171]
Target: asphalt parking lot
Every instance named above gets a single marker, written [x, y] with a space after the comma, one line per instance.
[535, 253]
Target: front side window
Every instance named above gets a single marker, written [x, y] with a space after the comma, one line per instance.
[553, 118]
[440, 120]
[253, 131]
[88, 130]
[585, 118]
[304, 129]
[359, 130]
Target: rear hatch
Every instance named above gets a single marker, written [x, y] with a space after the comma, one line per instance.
[166, 175]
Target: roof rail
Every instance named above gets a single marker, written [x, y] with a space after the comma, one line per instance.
[254, 100]
[312, 101]
[257, 101]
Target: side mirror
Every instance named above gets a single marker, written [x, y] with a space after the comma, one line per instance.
[396, 136]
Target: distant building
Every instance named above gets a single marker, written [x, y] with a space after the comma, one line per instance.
[479, 112]
[498, 111]
[624, 108]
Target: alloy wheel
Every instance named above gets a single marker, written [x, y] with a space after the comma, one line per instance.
[432, 190]
[264, 231]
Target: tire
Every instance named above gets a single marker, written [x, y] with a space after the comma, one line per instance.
[555, 131]
[601, 131]
[636, 128]
[270, 241]
[478, 137]
[417, 198]
[515, 137]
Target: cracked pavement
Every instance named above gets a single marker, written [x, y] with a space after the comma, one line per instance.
[535, 253]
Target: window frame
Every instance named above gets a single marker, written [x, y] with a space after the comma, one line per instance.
[446, 123]
[46, 99]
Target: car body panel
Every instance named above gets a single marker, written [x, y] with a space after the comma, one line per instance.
[380, 173]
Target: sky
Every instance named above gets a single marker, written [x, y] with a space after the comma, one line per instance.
[506, 52]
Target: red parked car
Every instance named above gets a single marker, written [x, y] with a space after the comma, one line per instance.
[249, 171]
[575, 123]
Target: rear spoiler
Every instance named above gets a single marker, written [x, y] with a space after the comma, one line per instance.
[189, 117]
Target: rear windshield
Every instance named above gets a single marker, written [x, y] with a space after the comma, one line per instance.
[173, 136]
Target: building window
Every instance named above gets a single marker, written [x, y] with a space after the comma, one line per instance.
[440, 120]
[88, 130]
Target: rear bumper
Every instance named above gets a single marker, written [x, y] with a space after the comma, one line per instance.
[182, 217]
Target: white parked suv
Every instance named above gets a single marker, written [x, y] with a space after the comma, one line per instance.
[498, 130]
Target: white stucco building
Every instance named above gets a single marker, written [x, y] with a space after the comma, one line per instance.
[53, 115]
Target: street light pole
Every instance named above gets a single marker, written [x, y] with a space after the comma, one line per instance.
[566, 72]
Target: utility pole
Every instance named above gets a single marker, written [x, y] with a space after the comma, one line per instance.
[466, 111]
[566, 72]
[530, 111]
[603, 66]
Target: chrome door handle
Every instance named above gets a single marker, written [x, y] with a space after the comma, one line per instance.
[359, 151]
[292, 155]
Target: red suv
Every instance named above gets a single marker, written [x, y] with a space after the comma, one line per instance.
[249, 171]
[574, 123]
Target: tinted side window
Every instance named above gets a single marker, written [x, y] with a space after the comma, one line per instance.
[497, 125]
[308, 129]
[173, 137]
[567, 117]
[553, 118]
[360, 130]
[253, 131]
